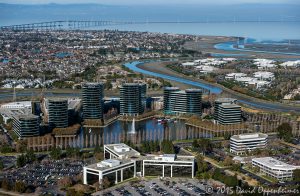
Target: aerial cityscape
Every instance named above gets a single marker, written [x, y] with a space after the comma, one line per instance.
[112, 98]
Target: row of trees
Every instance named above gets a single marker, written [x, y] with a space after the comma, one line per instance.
[17, 186]
[28, 157]
[230, 181]
[150, 146]
[202, 145]
[57, 153]
[166, 146]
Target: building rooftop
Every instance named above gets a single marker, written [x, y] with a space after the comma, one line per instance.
[193, 90]
[274, 163]
[132, 84]
[23, 104]
[56, 99]
[226, 100]
[169, 157]
[171, 88]
[229, 105]
[26, 117]
[249, 136]
[122, 150]
[107, 164]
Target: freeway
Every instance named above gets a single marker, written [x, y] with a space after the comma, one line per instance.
[254, 102]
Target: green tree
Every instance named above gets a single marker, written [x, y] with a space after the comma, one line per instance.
[195, 144]
[56, 153]
[205, 145]
[21, 160]
[5, 185]
[20, 186]
[30, 156]
[217, 174]
[5, 148]
[202, 165]
[227, 136]
[284, 132]
[296, 175]
[1, 165]
[167, 147]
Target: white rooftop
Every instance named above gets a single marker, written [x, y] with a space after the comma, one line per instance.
[122, 150]
[15, 105]
[249, 136]
[274, 163]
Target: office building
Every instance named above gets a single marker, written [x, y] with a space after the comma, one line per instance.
[168, 107]
[114, 170]
[132, 99]
[168, 165]
[274, 168]
[26, 125]
[119, 151]
[58, 113]
[122, 162]
[17, 105]
[92, 101]
[219, 102]
[182, 102]
[243, 143]
[226, 111]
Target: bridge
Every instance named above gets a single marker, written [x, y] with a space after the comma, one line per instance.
[62, 25]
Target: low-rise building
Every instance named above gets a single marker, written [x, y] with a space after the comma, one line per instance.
[120, 151]
[114, 170]
[123, 162]
[168, 165]
[274, 168]
[243, 143]
[17, 105]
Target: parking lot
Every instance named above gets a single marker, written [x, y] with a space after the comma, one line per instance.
[165, 187]
[8, 161]
[45, 173]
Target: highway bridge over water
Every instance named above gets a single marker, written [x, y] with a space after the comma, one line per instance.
[62, 25]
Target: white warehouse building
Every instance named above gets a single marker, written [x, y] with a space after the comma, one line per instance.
[243, 143]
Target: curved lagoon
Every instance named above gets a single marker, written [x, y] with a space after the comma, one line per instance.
[211, 88]
[249, 101]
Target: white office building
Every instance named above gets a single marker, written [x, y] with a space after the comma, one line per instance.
[17, 105]
[274, 168]
[122, 162]
[169, 165]
[114, 170]
[243, 143]
[119, 151]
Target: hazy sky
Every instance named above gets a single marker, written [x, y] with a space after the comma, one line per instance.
[127, 2]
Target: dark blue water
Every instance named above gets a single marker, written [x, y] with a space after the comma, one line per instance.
[119, 131]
